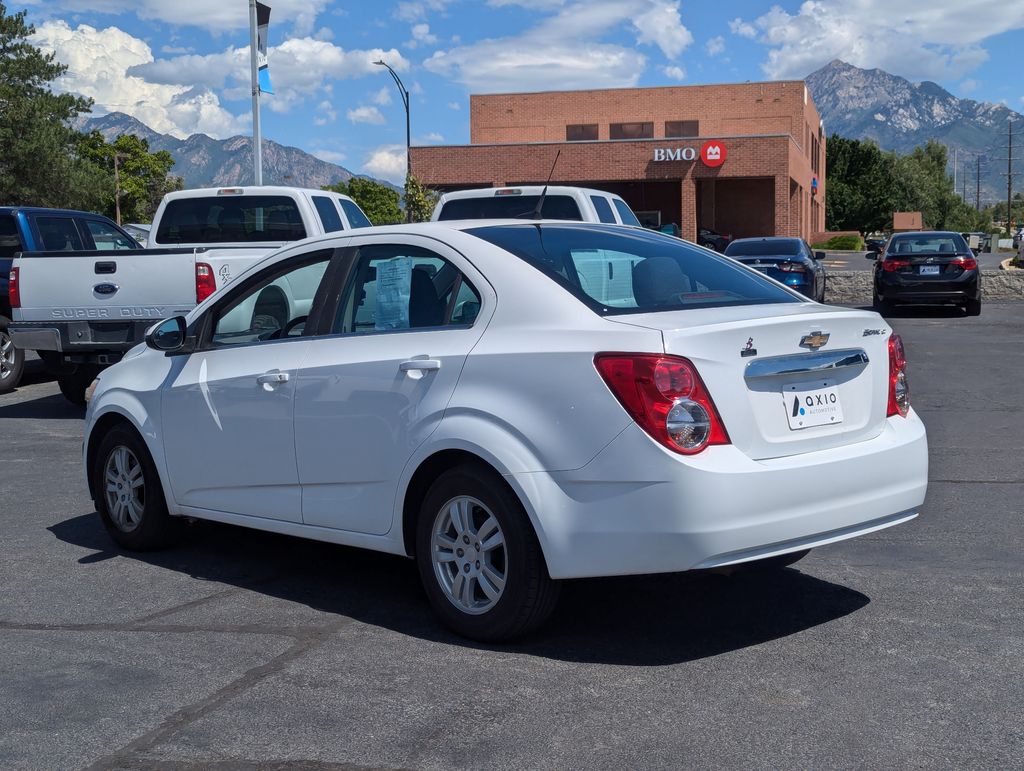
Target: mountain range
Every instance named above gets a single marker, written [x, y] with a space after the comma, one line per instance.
[207, 162]
[900, 115]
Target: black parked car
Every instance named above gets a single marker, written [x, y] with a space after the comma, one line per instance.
[712, 240]
[789, 260]
[927, 267]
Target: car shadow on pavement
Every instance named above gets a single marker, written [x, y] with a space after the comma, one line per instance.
[922, 312]
[53, 407]
[635, 620]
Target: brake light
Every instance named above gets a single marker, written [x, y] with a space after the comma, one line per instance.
[967, 263]
[206, 284]
[14, 289]
[666, 397]
[899, 387]
[792, 267]
[891, 266]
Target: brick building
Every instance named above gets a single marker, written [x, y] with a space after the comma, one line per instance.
[746, 159]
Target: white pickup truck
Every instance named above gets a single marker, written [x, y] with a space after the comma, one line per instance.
[83, 311]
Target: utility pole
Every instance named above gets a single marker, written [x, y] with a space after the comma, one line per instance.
[1009, 176]
[977, 192]
[257, 134]
[117, 188]
[954, 167]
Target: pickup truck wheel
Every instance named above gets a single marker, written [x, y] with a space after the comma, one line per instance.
[73, 386]
[129, 496]
[479, 559]
[12, 359]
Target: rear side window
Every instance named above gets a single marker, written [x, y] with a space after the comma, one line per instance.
[625, 213]
[604, 209]
[230, 219]
[59, 234]
[10, 240]
[617, 272]
[556, 207]
[328, 212]
[356, 218]
[108, 237]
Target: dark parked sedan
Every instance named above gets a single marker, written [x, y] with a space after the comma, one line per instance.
[927, 267]
[712, 240]
[789, 260]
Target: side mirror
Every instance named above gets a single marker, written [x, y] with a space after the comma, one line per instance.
[819, 256]
[168, 335]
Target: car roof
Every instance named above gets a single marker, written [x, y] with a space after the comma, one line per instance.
[780, 239]
[47, 210]
[196, 192]
[927, 233]
[485, 192]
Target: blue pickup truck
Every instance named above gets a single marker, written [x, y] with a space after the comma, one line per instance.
[28, 229]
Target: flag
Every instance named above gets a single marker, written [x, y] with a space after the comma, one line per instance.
[262, 22]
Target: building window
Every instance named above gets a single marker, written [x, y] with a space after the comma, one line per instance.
[682, 128]
[581, 132]
[631, 131]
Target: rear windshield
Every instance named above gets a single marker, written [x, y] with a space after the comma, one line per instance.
[762, 248]
[614, 271]
[930, 244]
[502, 207]
[230, 219]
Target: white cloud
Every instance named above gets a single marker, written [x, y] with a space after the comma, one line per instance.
[742, 28]
[175, 50]
[938, 39]
[387, 162]
[417, 11]
[715, 45]
[325, 114]
[421, 35]
[567, 48]
[219, 16]
[432, 138]
[454, 106]
[969, 86]
[331, 156]
[365, 114]
[674, 72]
[99, 66]
[382, 97]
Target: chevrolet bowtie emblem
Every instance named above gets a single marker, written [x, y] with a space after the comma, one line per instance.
[814, 341]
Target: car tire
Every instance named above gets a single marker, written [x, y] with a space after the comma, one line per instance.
[973, 307]
[882, 305]
[479, 559]
[772, 563]
[73, 385]
[12, 359]
[135, 512]
[824, 284]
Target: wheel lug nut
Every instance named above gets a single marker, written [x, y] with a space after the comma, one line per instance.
[465, 568]
[478, 564]
[465, 539]
[459, 552]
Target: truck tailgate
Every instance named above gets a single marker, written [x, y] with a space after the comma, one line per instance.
[115, 285]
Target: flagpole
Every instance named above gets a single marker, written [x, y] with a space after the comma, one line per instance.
[257, 138]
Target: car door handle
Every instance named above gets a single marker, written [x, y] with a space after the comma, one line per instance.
[419, 364]
[272, 378]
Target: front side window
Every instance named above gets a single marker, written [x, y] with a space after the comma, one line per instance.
[398, 287]
[230, 219]
[328, 212]
[581, 132]
[613, 271]
[603, 208]
[631, 131]
[59, 234]
[107, 237]
[275, 307]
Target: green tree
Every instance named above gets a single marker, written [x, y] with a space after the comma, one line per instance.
[38, 162]
[419, 200]
[142, 178]
[861, 192]
[379, 202]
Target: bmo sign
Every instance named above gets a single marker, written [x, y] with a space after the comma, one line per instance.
[712, 153]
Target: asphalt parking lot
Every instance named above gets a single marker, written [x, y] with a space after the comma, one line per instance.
[238, 649]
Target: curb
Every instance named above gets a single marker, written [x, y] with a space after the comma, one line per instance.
[1005, 264]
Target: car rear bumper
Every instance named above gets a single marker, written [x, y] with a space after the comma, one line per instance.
[637, 508]
[899, 289]
[80, 337]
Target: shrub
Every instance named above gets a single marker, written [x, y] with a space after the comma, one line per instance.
[848, 243]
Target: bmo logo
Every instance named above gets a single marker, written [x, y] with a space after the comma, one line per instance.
[713, 153]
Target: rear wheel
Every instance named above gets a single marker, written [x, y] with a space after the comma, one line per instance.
[973, 307]
[12, 359]
[479, 559]
[129, 496]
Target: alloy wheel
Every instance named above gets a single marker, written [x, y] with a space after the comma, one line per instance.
[7, 354]
[125, 489]
[469, 555]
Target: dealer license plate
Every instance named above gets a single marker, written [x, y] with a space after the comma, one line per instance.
[812, 406]
[931, 270]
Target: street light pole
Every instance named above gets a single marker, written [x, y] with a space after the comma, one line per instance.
[405, 101]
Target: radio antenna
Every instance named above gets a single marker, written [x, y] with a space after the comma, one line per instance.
[544, 192]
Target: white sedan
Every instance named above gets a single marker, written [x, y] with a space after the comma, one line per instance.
[512, 403]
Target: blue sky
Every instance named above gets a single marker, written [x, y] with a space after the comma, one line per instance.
[181, 66]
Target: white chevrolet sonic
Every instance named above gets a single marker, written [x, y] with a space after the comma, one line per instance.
[512, 403]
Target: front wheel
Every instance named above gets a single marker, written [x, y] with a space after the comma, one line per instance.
[128, 493]
[12, 359]
[479, 559]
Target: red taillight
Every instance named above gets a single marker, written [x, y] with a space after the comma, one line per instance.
[13, 289]
[967, 263]
[206, 284]
[666, 397]
[891, 266]
[899, 387]
[792, 267]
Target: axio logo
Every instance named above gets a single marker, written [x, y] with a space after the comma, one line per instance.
[675, 154]
[713, 153]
